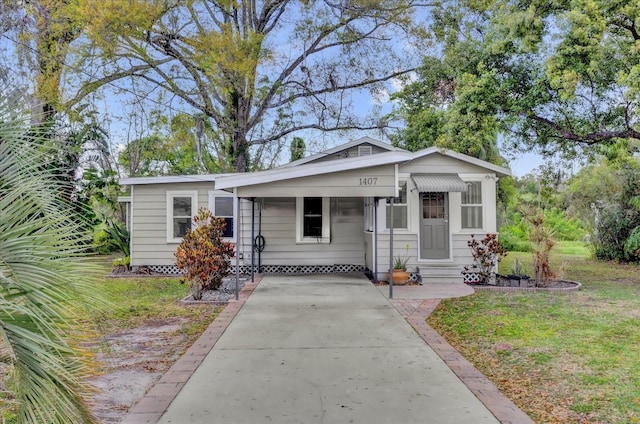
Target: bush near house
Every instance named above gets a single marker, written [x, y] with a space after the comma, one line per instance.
[203, 254]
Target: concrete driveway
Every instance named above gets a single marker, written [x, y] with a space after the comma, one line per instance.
[323, 349]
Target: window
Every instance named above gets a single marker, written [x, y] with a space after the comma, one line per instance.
[399, 209]
[472, 205]
[181, 208]
[224, 207]
[313, 220]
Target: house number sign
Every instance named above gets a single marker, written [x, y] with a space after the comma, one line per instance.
[368, 181]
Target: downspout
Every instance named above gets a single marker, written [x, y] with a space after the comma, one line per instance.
[391, 251]
[260, 235]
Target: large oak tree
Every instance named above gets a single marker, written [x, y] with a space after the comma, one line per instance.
[259, 70]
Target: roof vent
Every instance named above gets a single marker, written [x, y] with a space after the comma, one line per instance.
[365, 150]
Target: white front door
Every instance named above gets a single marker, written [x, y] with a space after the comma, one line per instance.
[434, 226]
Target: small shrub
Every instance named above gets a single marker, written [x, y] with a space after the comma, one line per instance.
[203, 254]
[542, 242]
[611, 234]
[486, 254]
[121, 265]
[111, 236]
[632, 245]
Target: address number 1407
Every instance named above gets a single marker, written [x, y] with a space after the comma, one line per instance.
[368, 181]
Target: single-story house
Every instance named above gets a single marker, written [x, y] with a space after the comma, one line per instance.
[329, 212]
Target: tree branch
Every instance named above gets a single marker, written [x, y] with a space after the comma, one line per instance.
[588, 139]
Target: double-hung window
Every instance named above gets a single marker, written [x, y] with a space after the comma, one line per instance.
[400, 209]
[223, 207]
[472, 206]
[182, 206]
[312, 220]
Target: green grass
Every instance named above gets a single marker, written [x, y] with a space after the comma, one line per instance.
[135, 301]
[563, 358]
[131, 302]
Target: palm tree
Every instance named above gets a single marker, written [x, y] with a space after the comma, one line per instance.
[43, 279]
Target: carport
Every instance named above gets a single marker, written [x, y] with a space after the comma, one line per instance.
[373, 177]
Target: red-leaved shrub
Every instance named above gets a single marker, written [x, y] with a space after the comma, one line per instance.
[204, 256]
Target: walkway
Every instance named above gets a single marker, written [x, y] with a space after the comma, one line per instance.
[325, 349]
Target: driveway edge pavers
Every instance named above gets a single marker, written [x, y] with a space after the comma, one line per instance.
[416, 313]
[156, 401]
[154, 404]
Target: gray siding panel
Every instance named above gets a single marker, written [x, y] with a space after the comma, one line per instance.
[149, 238]
[279, 231]
[439, 164]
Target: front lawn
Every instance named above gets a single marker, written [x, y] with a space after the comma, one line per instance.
[562, 358]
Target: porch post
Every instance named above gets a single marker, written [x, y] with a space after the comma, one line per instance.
[375, 239]
[253, 235]
[391, 250]
[238, 240]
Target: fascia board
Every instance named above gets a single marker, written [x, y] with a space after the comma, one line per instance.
[465, 158]
[279, 174]
[168, 179]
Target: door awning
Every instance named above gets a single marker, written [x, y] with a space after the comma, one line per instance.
[438, 183]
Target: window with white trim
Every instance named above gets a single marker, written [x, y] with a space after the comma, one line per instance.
[400, 209]
[472, 205]
[182, 206]
[224, 207]
[313, 220]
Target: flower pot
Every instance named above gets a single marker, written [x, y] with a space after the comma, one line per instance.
[400, 277]
[514, 280]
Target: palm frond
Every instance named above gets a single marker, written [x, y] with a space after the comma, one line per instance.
[43, 279]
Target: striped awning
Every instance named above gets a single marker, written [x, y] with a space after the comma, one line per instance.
[438, 183]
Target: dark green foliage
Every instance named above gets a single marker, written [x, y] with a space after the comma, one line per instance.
[619, 220]
[297, 148]
[632, 245]
[111, 236]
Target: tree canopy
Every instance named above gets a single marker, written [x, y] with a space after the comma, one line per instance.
[557, 76]
[258, 70]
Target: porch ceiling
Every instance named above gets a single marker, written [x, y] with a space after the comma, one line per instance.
[438, 183]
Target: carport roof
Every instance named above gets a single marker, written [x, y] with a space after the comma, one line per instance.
[279, 174]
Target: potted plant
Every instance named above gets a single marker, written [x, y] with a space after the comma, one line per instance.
[400, 274]
[518, 278]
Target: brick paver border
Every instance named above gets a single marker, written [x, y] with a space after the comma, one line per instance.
[500, 406]
[151, 407]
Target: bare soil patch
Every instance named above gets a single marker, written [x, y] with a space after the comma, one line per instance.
[132, 361]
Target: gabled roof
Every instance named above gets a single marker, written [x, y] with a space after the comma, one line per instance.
[319, 168]
[501, 171]
[326, 167]
[299, 168]
[349, 145]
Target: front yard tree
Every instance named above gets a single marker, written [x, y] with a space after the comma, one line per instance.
[258, 70]
[556, 76]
